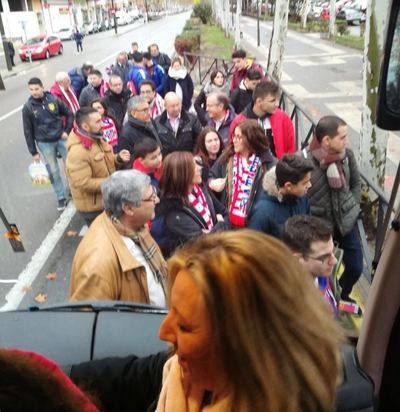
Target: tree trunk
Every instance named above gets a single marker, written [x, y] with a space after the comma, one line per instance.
[305, 9]
[237, 22]
[277, 46]
[373, 141]
[332, 18]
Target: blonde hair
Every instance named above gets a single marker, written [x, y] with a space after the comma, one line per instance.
[275, 336]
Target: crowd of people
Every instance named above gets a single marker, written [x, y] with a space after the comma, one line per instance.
[157, 174]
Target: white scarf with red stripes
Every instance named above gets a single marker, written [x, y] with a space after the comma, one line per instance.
[198, 201]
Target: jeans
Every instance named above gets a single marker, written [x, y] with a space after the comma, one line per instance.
[49, 151]
[352, 259]
[79, 46]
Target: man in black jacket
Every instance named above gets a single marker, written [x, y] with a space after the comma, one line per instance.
[116, 99]
[242, 96]
[177, 129]
[138, 126]
[161, 59]
[42, 117]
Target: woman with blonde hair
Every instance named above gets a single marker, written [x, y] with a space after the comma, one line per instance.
[249, 330]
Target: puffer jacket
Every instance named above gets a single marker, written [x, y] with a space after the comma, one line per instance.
[122, 70]
[88, 165]
[78, 80]
[185, 140]
[117, 104]
[339, 206]
[272, 209]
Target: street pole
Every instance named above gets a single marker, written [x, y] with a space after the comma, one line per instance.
[146, 10]
[258, 23]
[114, 16]
[5, 46]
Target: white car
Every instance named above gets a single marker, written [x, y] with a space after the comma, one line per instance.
[65, 34]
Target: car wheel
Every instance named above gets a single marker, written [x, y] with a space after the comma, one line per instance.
[47, 55]
[60, 50]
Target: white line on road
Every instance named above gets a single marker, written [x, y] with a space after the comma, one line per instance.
[6, 116]
[28, 275]
[8, 280]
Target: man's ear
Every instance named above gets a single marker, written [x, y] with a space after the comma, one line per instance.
[128, 209]
[326, 141]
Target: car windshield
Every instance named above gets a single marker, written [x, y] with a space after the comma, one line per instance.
[35, 40]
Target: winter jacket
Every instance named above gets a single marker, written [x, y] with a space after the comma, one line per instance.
[88, 94]
[78, 37]
[186, 85]
[241, 97]
[224, 129]
[156, 74]
[176, 223]
[88, 164]
[133, 131]
[43, 120]
[117, 104]
[104, 269]
[239, 75]
[56, 92]
[185, 139]
[201, 100]
[272, 209]
[123, 384]
[122, 71]
[136, 76]
[223, 169]
[341, 207]
[281, 125]
[78, 80]
[162, 60]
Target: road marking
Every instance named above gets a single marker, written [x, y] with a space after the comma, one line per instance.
[6, 116]
[8, 280]
[28, 275]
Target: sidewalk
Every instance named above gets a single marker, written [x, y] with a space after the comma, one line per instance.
[19, 68]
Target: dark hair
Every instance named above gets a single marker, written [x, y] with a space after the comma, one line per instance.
[301, 230]
[105, 107]
[255, 139]
[114, 77]
[137, 57]
[213, 75]
[292, 168]
[145, 146]
[175, 60]
[148, 83]
[253, 75]
[96, 72]
[153, 45]
[239, 54]
[222, 98]
[87, 66]
[135, 43]
[201, 145]
[35, 81]
[177, 175]
[83, 114]
[328, 126]
[265, 88]
[147, 56]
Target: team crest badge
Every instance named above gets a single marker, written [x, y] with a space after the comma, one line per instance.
[52, 107]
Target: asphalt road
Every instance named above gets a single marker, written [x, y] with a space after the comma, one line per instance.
[32, 209]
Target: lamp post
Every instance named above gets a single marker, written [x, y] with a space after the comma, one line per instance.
[5, 46]
[114, 16]
[258, 23]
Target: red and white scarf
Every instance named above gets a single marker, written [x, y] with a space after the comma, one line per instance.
[110, 133]
[243, 175]
[157, 106]
[71, 99]
[199, 202]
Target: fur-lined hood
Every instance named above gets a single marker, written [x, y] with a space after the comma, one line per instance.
[269, 184]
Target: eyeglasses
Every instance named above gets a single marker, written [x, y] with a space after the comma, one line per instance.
[326, 257]
[152, 197]
[143, 110]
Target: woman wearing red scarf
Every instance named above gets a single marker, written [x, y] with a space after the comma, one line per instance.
[186, 208]
[239, 171]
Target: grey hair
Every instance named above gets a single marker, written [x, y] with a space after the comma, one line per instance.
[60, 76]
[122, 187]
[134, 102]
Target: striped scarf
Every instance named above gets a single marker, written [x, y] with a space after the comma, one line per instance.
[198, 201]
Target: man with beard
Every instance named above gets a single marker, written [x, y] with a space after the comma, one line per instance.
[90, 160]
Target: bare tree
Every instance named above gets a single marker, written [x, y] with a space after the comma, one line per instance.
[305, 9]
[332, 18]
[237, 22]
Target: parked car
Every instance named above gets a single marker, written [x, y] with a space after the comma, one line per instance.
[351, 15]
[65, 34]
[90, 28]
[41, 47]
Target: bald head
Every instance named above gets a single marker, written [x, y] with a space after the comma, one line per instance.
[173, 104]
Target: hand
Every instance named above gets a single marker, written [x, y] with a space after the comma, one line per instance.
[206, 231]
[125, 155]
[217, 185]
[64, 136]
[36, 158]
[220, 218]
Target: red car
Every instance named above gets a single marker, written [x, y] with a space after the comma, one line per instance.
[41, 47]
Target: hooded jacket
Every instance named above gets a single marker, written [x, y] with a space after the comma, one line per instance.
[272, 209]
[117, 104]
[43, 120]
[183, 79]
[136, 76]
[185, 139]
[239, 75]
[281, 125]
[156, 74]
[78, 80]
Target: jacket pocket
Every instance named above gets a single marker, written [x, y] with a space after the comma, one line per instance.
[318, 211]
[348, 203]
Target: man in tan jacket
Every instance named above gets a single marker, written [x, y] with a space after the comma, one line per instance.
[117, 258]
[90, 160]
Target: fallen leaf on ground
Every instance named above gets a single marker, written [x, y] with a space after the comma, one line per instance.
[72, 233]
[26, 288]
[41, 297]
[51, 276]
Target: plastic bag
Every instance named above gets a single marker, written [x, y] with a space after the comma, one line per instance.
[39, 174]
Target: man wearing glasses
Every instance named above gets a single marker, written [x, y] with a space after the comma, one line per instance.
[310, 240]
[118, 259]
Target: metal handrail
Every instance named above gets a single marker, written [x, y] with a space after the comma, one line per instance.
[385, 206]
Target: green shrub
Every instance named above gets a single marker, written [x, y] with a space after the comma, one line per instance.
[203, 11]
[187, 42]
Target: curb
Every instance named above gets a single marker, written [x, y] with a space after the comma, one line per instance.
[5, 74]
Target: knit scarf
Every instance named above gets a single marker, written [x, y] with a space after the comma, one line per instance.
[331, 161]
[177, 395]
[157, 106]
[213, 88]
[87, 139]
[198, 201]
[150, 250]
[243, 176]
[70, 98]
[138, 165]
[110, 132]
